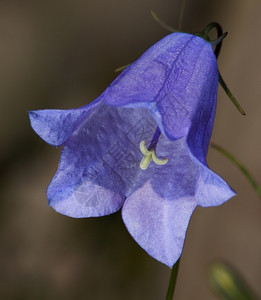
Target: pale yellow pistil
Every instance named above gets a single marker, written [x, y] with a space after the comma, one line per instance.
[148, 156]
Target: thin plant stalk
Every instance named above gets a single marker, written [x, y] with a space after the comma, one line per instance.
[241, 167]
[172, 281]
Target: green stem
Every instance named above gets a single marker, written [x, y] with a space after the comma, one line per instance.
[181, 15]
[220, 36]
[219, 33]
[240, 166]
[172, 281]
[210, 26]
[162, 23]
[230, 95]
[121, 68]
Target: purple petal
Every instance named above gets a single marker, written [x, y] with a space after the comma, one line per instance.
[212, 190]
[55, 126]
[158, 225]
[192, 93]
[99, 163]
[202, 123]
[171, 79]
[178, 178]
[87, 200]
[143, 79]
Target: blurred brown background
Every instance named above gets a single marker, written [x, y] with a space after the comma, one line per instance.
[61, 54]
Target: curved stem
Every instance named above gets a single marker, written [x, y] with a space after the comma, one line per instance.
[218, 27]
[172, 281]
[219, 33]
[210, 26]
[181, 15]
[162, 23]
[220, 36]
[230, 95]
[241, 167]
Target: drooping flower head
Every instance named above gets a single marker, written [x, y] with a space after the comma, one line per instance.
[142, 145]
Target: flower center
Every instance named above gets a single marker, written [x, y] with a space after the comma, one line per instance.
[150, 152]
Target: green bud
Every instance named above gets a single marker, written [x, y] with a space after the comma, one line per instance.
[228, 283]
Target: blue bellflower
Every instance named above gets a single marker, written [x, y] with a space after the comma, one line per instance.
[141, 146]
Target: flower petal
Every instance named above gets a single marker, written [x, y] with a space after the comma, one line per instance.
[212, 190]
[192, 93]
[178, 177]
[171, 79]
[142, 80]
[87, 199]
[202, 123]
[100, 162]
[158, 225]
[55, 126]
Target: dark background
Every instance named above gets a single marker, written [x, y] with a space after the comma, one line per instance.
[62, 54]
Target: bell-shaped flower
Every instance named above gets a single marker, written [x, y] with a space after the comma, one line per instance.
[141, 146]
